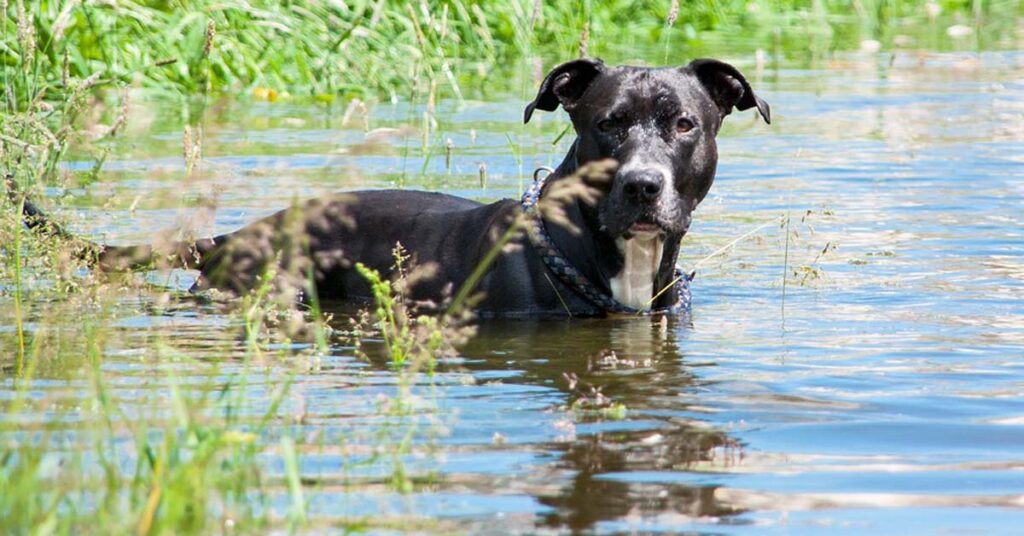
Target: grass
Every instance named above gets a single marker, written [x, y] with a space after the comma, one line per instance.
[192, 455]
[326, 50]
[197, 461]
[211, 455]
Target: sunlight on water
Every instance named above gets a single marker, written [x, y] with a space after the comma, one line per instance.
[883, 393]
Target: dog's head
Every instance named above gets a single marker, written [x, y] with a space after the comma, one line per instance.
[659, 124]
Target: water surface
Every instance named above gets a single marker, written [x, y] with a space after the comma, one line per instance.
[879, 390]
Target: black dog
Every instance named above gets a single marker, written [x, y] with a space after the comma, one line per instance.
[615, 254]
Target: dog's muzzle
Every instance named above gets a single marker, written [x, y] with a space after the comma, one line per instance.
[643, 187]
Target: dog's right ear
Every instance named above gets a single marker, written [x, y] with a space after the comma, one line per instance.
[564, 85]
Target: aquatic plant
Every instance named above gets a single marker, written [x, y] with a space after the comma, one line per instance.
[198, 461]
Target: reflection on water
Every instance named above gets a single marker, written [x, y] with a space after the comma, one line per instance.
[646, 373]
[884, 392]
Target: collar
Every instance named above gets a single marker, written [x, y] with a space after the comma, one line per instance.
[555, 260]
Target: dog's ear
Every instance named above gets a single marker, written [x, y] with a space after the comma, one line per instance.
[728, 88]
[564, 85]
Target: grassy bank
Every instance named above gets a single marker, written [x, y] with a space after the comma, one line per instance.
[388, 48]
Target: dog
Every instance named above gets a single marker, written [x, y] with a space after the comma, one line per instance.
[610, 254]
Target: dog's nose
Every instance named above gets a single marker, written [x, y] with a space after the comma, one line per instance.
[643, 186]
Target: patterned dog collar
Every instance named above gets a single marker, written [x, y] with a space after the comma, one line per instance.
[570, 275]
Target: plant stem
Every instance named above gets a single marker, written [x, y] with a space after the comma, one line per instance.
[18, 318]
[785, 272]
[485, 264]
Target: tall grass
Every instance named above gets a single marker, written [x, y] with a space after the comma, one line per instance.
[196, 458]
[318, 48]
[327, 49]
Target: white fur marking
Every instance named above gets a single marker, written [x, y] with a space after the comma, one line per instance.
[634, 286]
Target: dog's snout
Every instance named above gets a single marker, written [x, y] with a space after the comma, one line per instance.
[644, 186]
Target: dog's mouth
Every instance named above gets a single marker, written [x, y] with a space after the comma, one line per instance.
[644, 225]
[646, 222]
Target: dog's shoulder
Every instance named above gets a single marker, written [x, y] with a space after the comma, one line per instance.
[407, 200]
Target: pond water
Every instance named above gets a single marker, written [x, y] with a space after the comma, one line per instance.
[879, 390]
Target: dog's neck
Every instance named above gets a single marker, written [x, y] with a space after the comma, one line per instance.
[631, 270]
[641, 255]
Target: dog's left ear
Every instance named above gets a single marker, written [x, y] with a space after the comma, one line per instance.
[564, 85]
[728, 88]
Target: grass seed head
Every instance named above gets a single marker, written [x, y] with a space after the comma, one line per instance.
[586, 185]
[584, 39]
[211, 32]
[26, 34]
[61, 23]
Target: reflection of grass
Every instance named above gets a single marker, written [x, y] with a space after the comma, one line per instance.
[122, 463]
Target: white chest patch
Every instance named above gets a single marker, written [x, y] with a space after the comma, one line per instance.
[634, 286]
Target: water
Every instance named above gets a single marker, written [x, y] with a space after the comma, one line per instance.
[880, 390]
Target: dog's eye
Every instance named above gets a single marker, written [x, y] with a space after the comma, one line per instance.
[607, 125]
[684, 125]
